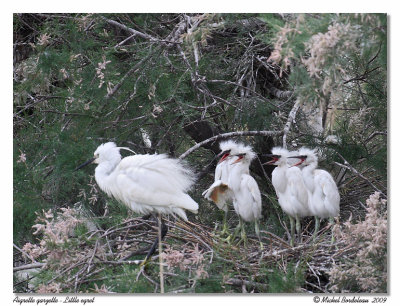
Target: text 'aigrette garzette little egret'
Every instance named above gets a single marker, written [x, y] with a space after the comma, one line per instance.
[323, 194]
[219, 192]
[290, 189]
[246, 194]
[145, 183]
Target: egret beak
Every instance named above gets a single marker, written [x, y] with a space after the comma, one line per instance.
[85, 163]
[274, 159]
[225, 156]
[239, 159]
[301, 157]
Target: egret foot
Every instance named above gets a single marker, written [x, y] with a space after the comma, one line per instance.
[231, 237]
[243, 236]
[243, 239]
[144, 262]
[225, 231]
[228, 239]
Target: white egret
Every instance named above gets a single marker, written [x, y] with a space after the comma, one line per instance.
[219, 192]
[324, 197]
[290, 189]
[144, 183]
[246, 194]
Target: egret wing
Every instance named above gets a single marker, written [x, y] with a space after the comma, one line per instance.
[168, 173]
[296, 186]
[153, 181]
[250, 185]
[330, 192]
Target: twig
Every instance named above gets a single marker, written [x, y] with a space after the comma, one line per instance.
[29, 266]
[24, 253]
[130, 30]
[130, 71]
[245, 87]
[350, 167]
[228, 135]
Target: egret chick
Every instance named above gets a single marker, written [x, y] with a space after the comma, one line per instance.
[246, 194]
[324, 197]
[219, 192]
[290, 189]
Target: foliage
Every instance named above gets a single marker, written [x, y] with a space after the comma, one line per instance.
[160, 83]
[365, 270]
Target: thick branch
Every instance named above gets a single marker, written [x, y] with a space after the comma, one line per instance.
[280, 94]
[239, 282]
[228, 135]
[291, 117]
[29, 266]
[130, 30]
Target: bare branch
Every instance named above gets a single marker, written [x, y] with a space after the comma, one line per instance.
[228, 135]
[352, 169]
[128, 29]
[280, 94]
[130, 71]
[29, 266]
[239, 282]
[288, 124]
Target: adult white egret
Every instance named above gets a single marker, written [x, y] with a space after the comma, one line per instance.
[324, 197]
[290, 189]
[246, 194]
[219, 192]
[144, 183]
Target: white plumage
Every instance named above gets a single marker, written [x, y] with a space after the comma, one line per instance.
[219, 192]
[246, 194]
[145, 183]
[324, 197]
[290, 188]
[289, 185]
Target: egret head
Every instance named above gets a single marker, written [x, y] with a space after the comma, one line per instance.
[306, 157]
[245, 154]
[228, 148]
[278, 157]
[106, 152]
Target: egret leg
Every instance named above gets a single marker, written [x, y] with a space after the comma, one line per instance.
[332, 222]
[243, 237]
[164, 230]
[298, 229]
[160, 261]
[232, 237]
[316, 227]
[257, 230]
[292, 225]
[225, 225]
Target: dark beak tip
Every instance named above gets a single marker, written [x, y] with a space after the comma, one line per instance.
[85, 164]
